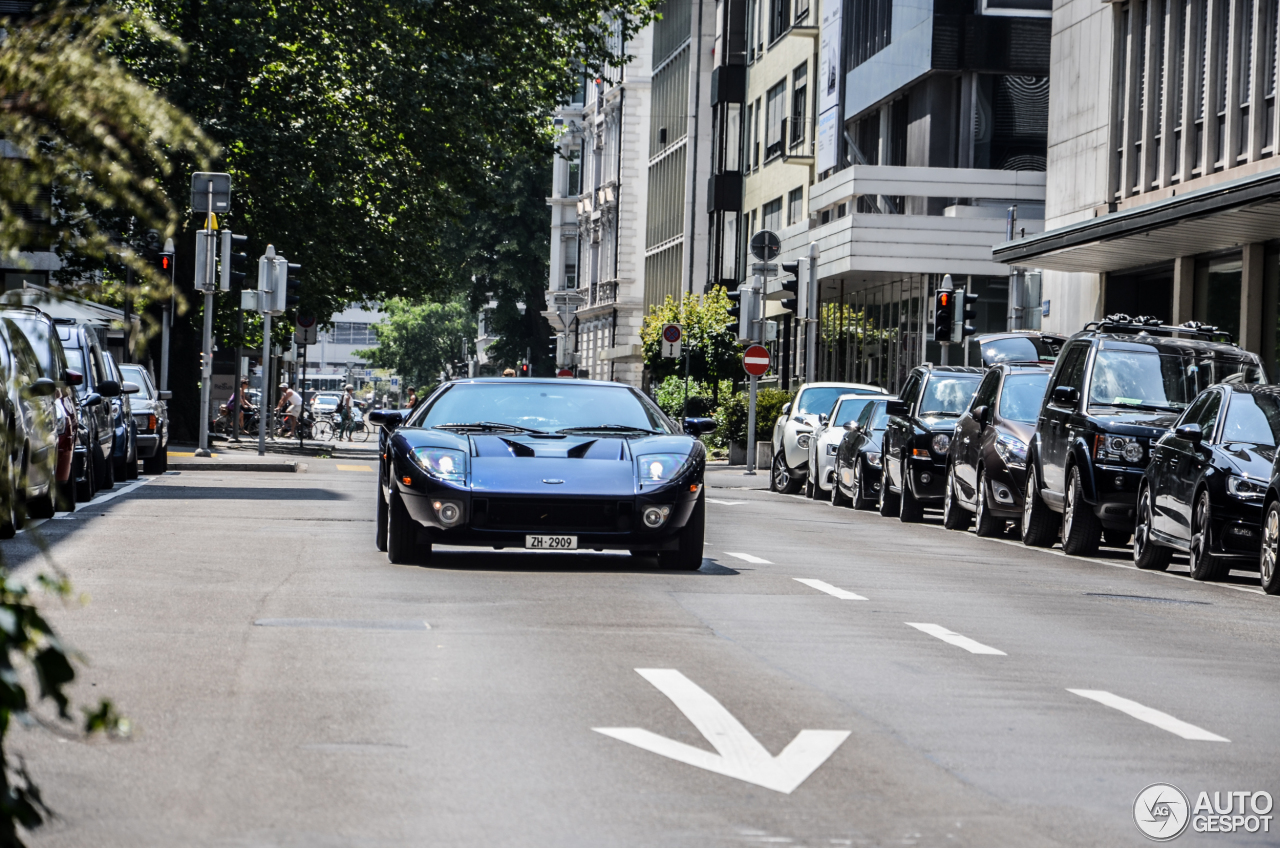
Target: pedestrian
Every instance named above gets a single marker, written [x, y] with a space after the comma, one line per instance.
[346, 418]
[241, 400]
[509, 372]
[413, 398]
[291, 403]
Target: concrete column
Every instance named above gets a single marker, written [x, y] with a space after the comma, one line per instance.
[1251, 284]
[1184, 288]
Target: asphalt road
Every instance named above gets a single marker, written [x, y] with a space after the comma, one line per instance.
[290, 687]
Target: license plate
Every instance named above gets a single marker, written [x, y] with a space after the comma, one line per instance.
[551, 543]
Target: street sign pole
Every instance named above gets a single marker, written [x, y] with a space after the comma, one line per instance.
[303, 386]
[263, 409]
[206, 361]
[751, 427]
[811, 314]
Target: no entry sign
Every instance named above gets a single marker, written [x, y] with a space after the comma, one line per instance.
[755, 360]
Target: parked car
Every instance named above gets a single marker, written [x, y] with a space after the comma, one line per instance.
[918, 437]
[94, 393]
[987, 461]
[150, 419]
[1117, 387]
[1019, 346]
[857, 477]
[39, 329]
[541, 464]
[824, 443]
[324, 404]
[30, 433]
[793, 428]
[1204, 489]
[124, 451]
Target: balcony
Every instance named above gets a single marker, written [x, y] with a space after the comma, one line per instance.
[603, 293]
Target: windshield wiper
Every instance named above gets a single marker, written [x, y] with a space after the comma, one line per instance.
[489, 425]
[609, 428]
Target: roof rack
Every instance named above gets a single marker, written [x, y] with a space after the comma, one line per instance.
[1145, 324]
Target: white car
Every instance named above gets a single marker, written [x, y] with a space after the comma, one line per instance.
[793, 428]
[824, 442]
[325, 404]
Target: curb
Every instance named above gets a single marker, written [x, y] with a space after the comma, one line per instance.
[218, 465]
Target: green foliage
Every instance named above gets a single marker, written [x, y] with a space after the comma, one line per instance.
[732, 414]
[713, 350]
[670, 396]
[419, 340]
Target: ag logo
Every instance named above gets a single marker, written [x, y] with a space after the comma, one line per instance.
[1161, 812]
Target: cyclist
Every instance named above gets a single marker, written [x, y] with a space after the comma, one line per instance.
[346, 418]
[291, 403]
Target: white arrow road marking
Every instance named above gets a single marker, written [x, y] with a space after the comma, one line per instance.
[724, 503]
[738, 754]
[1164, 721]
[749, 558]
[956, 639]
[822, 586]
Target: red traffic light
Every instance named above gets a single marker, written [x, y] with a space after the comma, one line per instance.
[944, 299]
[166, 263]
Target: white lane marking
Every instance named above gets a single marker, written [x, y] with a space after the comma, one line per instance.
[755, 560]
[1164, 721]
[956, 639]
[823, 586]
[724, 503]
[101, 499]
[738, 754]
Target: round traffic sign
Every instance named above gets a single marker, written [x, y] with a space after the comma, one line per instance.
[765, 245]
[671, 333]
[564, 372]
[305, 322]
[755, 360]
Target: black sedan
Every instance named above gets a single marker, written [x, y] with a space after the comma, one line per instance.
[987, 467]
[541, 465]
[857, 477]
[1204, 489]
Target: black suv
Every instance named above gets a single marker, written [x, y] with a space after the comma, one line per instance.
[1118, 386]
[914, 456]
[97, 413]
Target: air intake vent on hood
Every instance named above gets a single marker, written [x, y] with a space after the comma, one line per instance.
[519, 449]
[579, 451]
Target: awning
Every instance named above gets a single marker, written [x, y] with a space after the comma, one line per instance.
[1219, 217]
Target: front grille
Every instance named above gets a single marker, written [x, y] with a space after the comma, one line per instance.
[552, 514]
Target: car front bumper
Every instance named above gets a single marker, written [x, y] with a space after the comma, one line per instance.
[928, 479]
[148, 444]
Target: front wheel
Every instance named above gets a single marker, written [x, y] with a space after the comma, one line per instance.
[910, 511]
[1081, 530]
[157, 464]
[838, 497]
[67, 493]
[380, 528]
[84, 488]
[1037, 519]
[888, 502]
[1204, 564]
[403, 547]
[988, 524]
[1148, 555]
[689, 556]
[781, 478]
[954, 516]
[1269, 563]
[861, 500]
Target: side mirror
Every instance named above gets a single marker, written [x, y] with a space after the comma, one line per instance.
[42, 387]
[899, 408]
[1065, 396]
[385, 418]
[74, 378]
[109, 389]
[822, 418]
[127, 388]
[1190, 433]
[786, 408]
[981, 414]
[164, 395]
[699, 426]
[91, 399]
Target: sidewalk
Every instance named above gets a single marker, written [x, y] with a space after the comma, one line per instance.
[721, 475]
[281, 454]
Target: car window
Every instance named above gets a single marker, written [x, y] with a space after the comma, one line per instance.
[27, 367]
[880, 417]
[948, 394]
[1207, 418]
[1072, 371]
[849, 410]
[99, 370]
[1252, 418]
[1022, 395]
[42, 343]
[818, 399]
[986, 393]
[911, 390]
[138, 375]
[1021, 349]
[1161, 380]
[543, 406]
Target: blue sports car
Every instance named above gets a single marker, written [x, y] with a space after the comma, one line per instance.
[540, 465]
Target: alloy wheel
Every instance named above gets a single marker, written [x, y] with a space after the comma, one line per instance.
[1142, 527]
[1027, 502]
[1270, 548]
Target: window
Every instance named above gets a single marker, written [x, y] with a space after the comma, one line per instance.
[869, 25]
[573, 183]
[775, 103]
[802, 10]
[570, 276]
[771, 215]
[795, 206]
[779, 18]
[1022, 396]
[799, 93]
[1072, 371]
[345, 332]
[747, 138]
[1253, 418]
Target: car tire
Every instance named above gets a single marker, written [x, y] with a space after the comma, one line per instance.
[988, 524]
[910, 511]
[1147, 553]
[131, 465]
[1038, 530]
[781, 478]
[9, 503]
[157, 464]
[380, 526]
[66, 494]
[954, 516]
[108, 476]
[43, 506]
[838, 497]
[84, 488]
[1269, 562]
[861, 500]
[1081, 530]
[689, 556]
[403, 547]
[888, 502]
[1204, 564]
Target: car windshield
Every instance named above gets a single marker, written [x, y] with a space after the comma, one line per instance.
[138, 377]
[821, 398]
[544, 407]
[948, 394]
[1021, 349]
[1021, 397]
[1162, 381]
[849, 410]
[1253, 418]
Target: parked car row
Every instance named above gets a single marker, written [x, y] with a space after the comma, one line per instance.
[67, 427]
[1129, 429]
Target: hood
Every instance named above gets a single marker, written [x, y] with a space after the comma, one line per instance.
[1019, 429]
[938, 423]
[143, 405]
[832, 435]
[1249, 459]
[569, 466]
[1137, 423]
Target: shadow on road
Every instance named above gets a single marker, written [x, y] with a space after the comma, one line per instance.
[237, 493]
[583, 562]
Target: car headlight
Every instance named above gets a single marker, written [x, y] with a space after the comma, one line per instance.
[1246, 489]
[832, 449]
[654, 469]
[1117, 448]
[443, 463]
[802, 441]
[873, 459]
[941, 443]
[1012, 450]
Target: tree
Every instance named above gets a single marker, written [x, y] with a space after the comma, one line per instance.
[420, 340]
[711, 344]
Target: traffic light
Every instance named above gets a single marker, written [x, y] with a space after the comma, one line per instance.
[792, 287]
[740, 311]
[944, 316]
[292, 285]
[524, 369]
[164, 260]
[966, 329]
[234, 261]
